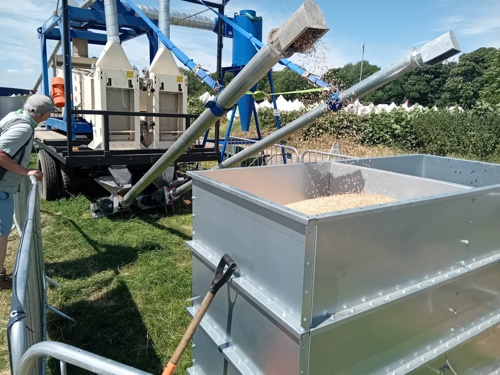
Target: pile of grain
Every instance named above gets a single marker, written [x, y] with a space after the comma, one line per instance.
[338, 202]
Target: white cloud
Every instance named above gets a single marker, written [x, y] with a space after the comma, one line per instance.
[20, 45]
[484, 25]
[473, 20]
[22, 71]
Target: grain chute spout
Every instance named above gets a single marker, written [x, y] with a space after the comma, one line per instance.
[301, 31]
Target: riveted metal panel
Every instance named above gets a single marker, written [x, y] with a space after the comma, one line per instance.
[390, 288]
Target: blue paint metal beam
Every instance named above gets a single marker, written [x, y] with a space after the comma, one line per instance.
[258, 44]
[93, 38]
[89, 15]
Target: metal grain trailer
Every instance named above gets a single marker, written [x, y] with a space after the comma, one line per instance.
[405, 287]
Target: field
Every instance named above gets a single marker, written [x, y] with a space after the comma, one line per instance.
[125, 282]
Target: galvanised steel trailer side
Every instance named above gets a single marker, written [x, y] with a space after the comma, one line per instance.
[405, 287]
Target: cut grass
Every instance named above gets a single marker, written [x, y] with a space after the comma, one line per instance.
[125, 282]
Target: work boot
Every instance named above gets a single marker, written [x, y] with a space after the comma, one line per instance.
[5, 280]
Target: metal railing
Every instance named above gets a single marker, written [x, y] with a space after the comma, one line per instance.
[276, 154]
[27, 322]
[77, 357]
[314, 156]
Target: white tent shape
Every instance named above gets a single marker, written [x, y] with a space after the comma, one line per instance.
[417, 107]
[355, 107]
[264, 104]
[455, 108]
[365, 110]
[381, 107]
[297, 105]
[282, 103]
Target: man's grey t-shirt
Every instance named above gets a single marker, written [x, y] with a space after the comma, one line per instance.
[11, 142]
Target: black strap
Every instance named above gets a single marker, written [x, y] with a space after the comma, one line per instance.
[22, 150]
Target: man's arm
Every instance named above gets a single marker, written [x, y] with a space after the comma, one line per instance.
[10, 142]
[9, 164]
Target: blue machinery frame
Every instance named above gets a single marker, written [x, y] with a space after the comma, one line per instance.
[245, 29]
[80, 24]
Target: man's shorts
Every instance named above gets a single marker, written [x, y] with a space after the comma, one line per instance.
[6, 213]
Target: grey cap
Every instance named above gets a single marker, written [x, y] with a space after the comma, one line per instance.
[38, 104]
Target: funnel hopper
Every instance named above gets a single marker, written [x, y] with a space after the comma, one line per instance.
[245, 108]
[109, 183]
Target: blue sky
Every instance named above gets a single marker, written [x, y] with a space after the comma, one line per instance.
[388, 29]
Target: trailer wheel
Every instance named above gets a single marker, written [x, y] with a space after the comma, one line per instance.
[49, 186]
[68, 179]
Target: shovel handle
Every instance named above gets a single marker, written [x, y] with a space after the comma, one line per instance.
[218, 281]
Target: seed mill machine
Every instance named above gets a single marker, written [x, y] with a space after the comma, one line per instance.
[116, 123]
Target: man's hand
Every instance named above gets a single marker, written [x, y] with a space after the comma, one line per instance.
[35, 172]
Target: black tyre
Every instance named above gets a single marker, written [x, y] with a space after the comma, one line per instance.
[49, 186]
[68, 180]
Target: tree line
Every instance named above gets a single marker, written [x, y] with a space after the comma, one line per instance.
[474, 77]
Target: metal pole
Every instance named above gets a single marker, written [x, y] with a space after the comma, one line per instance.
[362, 60]
[306, 21]
[75, 356]
[220, 45]
[68, 99]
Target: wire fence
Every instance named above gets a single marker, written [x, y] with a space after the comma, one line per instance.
[276, 154]
[314, 156]
[279, 154]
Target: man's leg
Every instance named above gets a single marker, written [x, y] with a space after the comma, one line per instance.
[6, 219]
[3, 251]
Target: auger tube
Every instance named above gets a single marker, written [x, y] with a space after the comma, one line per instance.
[307, 21]
[435, 51]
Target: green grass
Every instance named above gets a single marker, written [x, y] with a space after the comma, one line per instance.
[124, 281]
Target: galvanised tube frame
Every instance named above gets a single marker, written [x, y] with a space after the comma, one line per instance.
[440, 47]
[29, 289]
[179, 18]
[279, 44]
[75, 356]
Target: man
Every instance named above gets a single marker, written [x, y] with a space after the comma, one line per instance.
[16, 142]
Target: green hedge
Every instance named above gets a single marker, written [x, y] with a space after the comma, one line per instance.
[472, 134]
